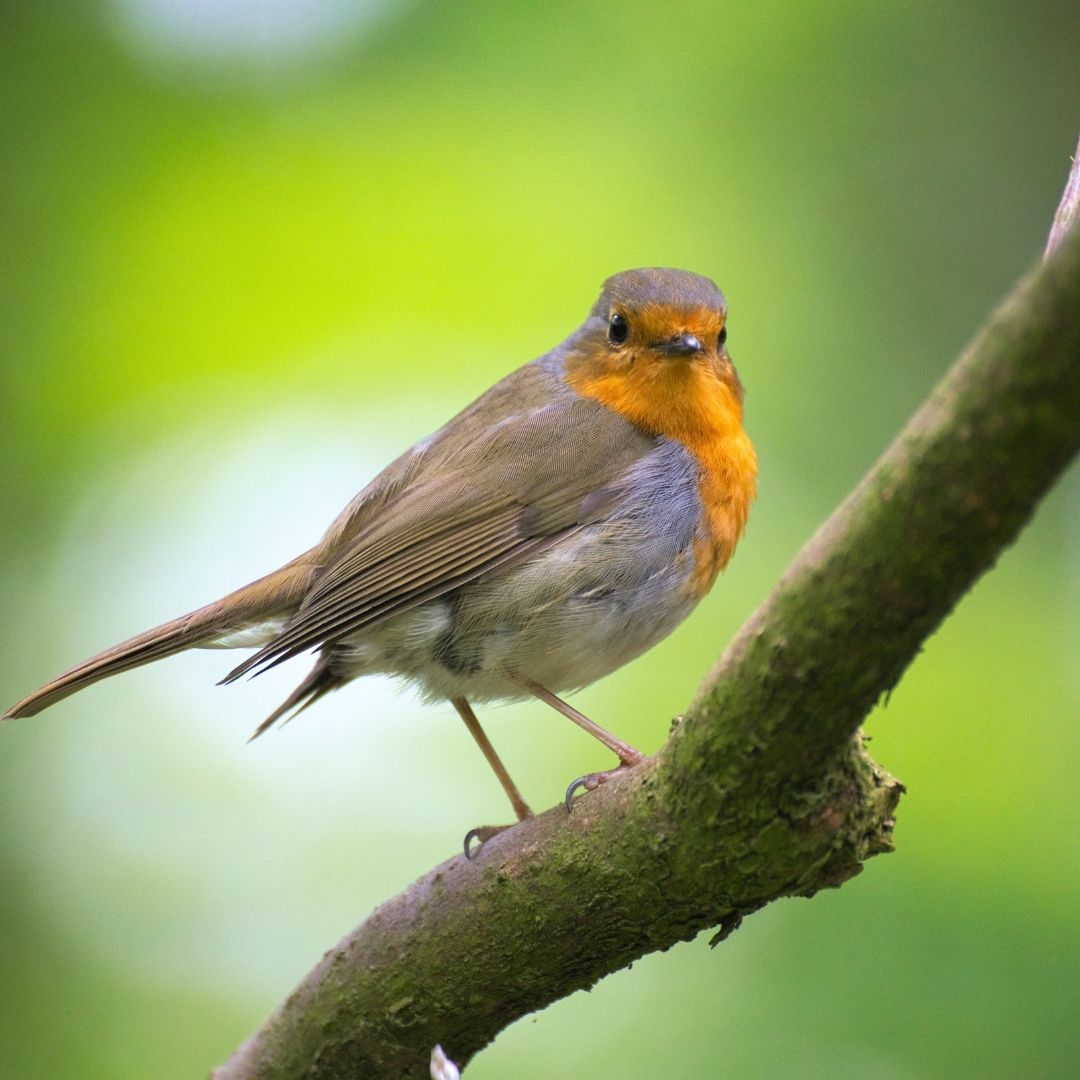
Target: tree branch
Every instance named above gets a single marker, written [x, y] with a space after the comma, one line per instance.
[763, 790]
[1068, 209]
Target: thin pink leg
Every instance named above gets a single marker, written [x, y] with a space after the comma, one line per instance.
[627, 755]
[521, 807]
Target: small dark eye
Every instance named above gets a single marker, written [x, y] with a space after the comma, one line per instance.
[618, 329]
[722, 338]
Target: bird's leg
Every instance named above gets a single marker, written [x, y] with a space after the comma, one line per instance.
[521, 807]
[627, 755]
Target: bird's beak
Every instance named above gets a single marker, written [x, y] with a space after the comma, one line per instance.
[682, 345]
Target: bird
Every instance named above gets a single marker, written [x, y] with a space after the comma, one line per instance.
[554, 530]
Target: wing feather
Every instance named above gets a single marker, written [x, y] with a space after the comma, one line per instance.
[471, 506]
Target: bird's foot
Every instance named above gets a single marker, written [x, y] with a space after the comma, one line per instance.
[481, 835]
[593, 780]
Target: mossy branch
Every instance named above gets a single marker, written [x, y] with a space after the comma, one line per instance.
[764, 789]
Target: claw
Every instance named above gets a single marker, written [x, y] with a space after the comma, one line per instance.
[481, 835]
[592, 781]
[580, 782]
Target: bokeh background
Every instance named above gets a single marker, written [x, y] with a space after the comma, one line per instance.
[252, 251]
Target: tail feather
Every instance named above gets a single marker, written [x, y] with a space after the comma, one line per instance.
[320, 681]
[275, 594]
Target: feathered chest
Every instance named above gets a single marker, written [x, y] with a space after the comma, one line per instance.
[696, 406]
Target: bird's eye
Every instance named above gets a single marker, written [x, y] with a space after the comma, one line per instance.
[722, 337]
[618, 329]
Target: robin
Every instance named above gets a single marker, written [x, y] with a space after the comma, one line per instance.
[563, 523]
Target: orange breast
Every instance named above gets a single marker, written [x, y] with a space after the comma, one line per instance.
[695, 404]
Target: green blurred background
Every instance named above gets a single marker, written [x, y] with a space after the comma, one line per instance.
[249, 256]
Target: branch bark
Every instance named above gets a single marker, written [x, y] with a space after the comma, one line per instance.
[1068, 209]
[763, 789]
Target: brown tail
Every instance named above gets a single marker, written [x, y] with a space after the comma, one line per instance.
[320, 680]
[276, 594]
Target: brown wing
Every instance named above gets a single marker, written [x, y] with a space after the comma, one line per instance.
[475, 505]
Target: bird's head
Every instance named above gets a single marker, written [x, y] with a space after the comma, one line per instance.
[654, 348]
[656, 315]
